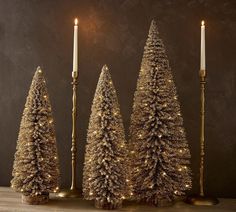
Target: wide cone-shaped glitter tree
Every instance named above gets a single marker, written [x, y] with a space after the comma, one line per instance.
[160, 155]
[104, 176]
[36, 168]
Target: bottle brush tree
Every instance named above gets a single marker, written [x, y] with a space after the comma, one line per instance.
[36, 167]
[104, 175]
[159, 150]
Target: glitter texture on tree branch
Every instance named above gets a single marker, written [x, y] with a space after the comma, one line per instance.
[104, 176]
[36, 167]
[159, 150]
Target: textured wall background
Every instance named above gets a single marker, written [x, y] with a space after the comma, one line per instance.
[39, 32]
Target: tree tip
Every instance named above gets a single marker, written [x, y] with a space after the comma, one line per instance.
[154, 23]
[105, 67]
[105, 73]
[39, 70]
[153, 27]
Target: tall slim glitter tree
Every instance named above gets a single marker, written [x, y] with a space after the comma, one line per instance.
[36, 168]
[104, 176]
[159, 150]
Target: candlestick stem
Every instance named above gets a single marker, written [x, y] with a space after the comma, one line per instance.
[74, 148]
[73, 191]
[201, 199]
[202, 75]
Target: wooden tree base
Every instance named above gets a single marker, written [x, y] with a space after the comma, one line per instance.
[35, 200]
[108, 205]
[161, 202]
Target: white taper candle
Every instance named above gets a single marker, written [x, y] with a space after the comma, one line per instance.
[75, 49]
[203, 53]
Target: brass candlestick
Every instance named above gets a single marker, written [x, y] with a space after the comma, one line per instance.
[201, 199]
[73, 192]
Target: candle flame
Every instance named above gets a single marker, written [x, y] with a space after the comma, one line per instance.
[76, 21]
[203, 23]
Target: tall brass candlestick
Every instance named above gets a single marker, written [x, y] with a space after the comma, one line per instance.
[202, 74]
[73, 192]
[201, 199]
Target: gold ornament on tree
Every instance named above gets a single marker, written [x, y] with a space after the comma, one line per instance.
[36, 167]
[105, 167]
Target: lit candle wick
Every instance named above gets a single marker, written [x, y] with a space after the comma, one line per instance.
[76, 21]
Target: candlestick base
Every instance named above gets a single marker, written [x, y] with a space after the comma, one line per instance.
[201, 200]
[69, 193]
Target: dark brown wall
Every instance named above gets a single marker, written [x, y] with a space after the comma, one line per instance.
[39, 32]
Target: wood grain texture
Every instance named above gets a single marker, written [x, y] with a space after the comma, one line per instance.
[11, 202]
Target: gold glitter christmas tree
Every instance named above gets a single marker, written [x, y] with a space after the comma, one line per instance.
[159, 150]
[36, 168]
[104, 176]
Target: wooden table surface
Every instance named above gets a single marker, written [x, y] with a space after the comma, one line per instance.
[11, 201]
